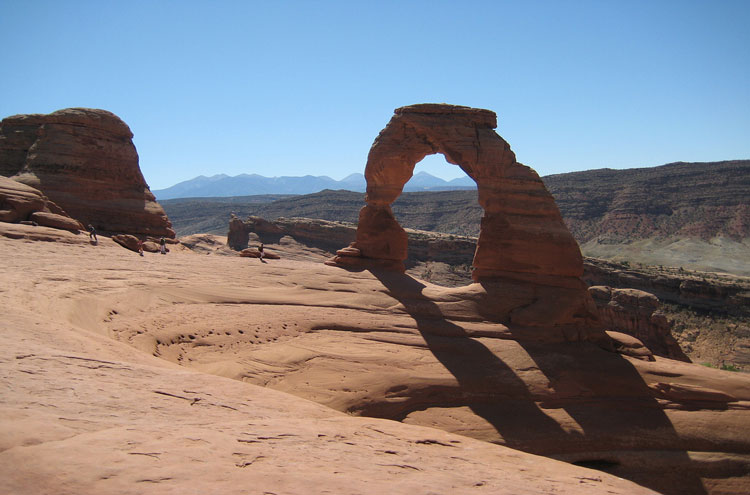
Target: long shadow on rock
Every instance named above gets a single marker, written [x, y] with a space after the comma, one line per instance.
[625, 431]
[612, 419]
[486, 384]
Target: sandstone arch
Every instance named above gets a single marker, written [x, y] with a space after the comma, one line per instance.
[522, 232]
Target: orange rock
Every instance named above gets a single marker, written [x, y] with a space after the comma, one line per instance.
[127, 241]
[636, 313]
[523, 242]
[255, 253]
[25, 204]
[379, 235]
[56, 221]
[522, 230]
[18, 201]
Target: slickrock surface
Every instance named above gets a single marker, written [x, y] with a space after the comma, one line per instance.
[81, 413]
[365, 343]
[85, 161]
[445, 260]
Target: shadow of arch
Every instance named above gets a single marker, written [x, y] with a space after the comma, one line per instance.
[485, 384]
[620, 428]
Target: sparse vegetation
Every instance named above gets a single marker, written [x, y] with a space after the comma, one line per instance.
[724, 367]
[730, 367]
[711, 338]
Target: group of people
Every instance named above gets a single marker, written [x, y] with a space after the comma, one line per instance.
[162, 246]
[162, 242]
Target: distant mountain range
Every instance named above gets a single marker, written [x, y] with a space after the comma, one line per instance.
[218, 186]
[695, 215]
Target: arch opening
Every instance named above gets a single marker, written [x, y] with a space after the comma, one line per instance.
[442, 174]
[441, 216]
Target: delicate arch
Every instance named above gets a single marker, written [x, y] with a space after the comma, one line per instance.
[522, 231]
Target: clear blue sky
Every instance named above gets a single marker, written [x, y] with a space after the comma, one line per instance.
[295, 88]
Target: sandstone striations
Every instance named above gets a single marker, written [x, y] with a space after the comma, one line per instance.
[317, 233]
[445, 259]
[455, 252]
[517, 358]
[522, 230]
[367, 343]
[85, 161]
[701, 291]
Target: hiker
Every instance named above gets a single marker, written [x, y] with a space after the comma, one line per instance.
[140, 247]
[163, 246]
[260, 249]
[92, 234]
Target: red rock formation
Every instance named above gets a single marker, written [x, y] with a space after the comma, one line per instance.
[318, 233]
[255, 253]
[523, 246]
[522, 230]
[701, 291]
[238, 236]
[127, 241]
[56, 221]
[85, 161]
[636, 313]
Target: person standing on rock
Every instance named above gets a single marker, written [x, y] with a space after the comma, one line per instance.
[140, 247]
[163, 246]
[92, 234]
[260, 250]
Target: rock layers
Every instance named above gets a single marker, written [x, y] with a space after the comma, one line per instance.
[517, 359]
[701, 291]
[524, 246]
[85, 161]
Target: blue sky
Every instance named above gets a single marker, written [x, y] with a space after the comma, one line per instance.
[295, 88]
